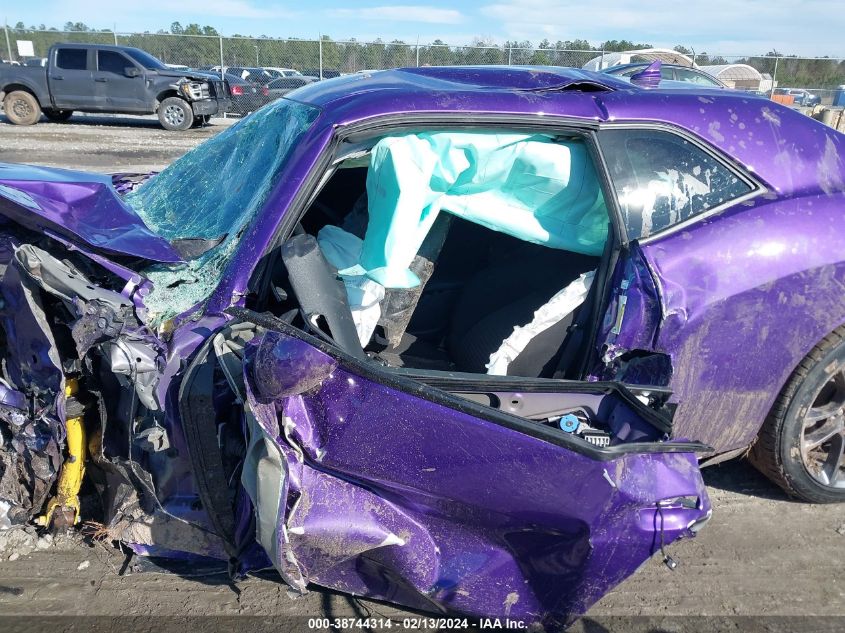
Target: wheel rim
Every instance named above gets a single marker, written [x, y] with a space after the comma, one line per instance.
[823, 433]
[174, 115]
[21, 108]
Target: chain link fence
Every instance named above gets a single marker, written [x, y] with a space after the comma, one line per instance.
[327, 58]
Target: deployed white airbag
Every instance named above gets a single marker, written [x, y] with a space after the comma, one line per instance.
[342, 250]
[550, 313]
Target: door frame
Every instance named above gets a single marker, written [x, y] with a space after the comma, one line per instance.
[367, 129]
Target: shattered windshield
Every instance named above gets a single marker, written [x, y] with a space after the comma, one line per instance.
[203, 202]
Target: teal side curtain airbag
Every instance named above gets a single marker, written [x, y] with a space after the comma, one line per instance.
[532, 187]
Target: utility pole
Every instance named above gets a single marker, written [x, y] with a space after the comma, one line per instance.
[220, 38]
[8, 41]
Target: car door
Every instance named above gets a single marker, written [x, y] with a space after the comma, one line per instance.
[120, 83]
[70, 79]
[446, 493]
[671, 318]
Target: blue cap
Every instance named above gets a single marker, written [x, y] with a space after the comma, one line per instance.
[569, 422]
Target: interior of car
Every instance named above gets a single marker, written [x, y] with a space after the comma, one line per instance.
[474, 279]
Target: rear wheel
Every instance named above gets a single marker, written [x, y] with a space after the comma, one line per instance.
[21, 108]
[175, 114]
[58, 116]
[801, 447]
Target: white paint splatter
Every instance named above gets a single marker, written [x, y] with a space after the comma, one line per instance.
[511, 599]
[771, 117]
[713, 131]
[391, 539]
[830, 169]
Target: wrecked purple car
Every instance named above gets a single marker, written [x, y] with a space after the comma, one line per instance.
[456, 338]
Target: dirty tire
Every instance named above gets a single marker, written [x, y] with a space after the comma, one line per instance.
[816, 387]
[175, 114]
[58, 116]
[21, 108]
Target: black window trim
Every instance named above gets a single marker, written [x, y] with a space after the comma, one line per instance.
[757, 186]
[126, 58]
[88, 61]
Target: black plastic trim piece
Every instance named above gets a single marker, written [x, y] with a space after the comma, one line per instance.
[478, 383]
[196, 410]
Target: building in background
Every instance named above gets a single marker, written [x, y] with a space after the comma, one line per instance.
[740, 76]
[666, 55]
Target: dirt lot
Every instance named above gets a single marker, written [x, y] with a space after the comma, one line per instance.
[101, 143]
[764, 563]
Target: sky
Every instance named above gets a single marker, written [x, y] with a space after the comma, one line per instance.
[727, 27]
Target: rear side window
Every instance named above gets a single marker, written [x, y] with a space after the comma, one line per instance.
[72, 58]
[691, 76]
[112, 62]
[662, 179]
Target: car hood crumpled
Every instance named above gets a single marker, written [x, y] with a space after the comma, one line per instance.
[79, 206]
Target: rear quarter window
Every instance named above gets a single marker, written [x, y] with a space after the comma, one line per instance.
[661, 179]
[72, 58]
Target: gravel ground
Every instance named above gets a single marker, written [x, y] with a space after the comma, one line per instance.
[101, 143]
[764, 563]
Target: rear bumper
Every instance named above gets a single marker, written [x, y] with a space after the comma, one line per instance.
[210, 106]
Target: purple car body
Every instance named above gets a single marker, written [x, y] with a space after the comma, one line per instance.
[392, 485]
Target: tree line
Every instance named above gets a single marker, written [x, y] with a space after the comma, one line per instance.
[199, 45]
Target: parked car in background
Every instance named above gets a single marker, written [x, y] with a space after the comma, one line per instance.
[327, 73]
[277, 72]
[248, 86]
[250, 73]
[283, 85]
[671, 72]
[119, 79]
[35, 61]
[246, 96]
[800, 97]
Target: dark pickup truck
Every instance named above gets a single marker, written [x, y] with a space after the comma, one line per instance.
[95, 78]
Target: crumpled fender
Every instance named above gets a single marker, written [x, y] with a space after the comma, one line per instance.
[78, 206]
